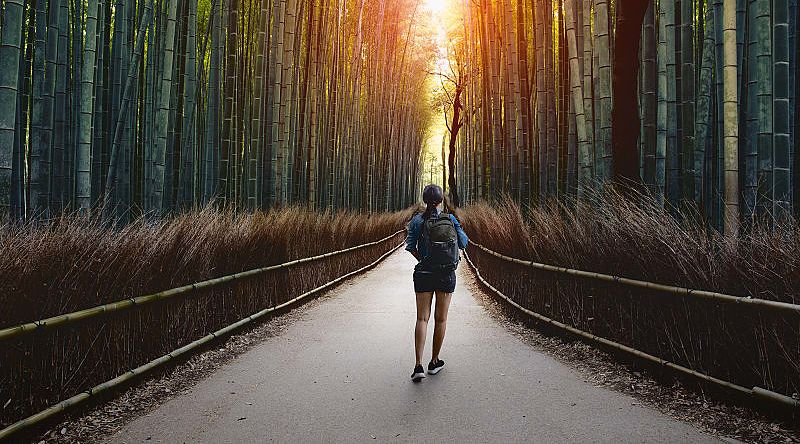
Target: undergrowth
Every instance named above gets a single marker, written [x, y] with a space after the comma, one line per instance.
[636, 238]
[73, 263]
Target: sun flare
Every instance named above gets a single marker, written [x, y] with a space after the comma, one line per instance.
[437, 6]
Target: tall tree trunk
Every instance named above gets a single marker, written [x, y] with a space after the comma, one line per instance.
[455, 126]
[625, 113]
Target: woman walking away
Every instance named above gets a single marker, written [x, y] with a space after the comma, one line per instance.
[434, 238]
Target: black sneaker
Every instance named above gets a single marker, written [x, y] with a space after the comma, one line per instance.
[418, 374]
[435, 368]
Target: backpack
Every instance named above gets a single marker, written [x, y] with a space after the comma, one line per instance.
[442, 242]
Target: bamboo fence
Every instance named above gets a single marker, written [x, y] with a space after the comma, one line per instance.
[652, 286]
[105, 309]
[102, 310]
[756, 393]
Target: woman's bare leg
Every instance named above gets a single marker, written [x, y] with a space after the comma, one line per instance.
[423, 314]
[440, 322]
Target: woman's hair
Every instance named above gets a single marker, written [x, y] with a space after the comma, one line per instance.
[432, 195]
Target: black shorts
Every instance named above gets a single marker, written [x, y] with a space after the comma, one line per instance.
[427, 281]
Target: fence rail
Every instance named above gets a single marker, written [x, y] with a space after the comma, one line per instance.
[786, 402]
[105, 309]
[677, 291]
[117, 382]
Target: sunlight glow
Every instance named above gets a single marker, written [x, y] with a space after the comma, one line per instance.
[437, 6]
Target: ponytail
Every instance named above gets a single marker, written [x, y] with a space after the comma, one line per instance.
[429, 209]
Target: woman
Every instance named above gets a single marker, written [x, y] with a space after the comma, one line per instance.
[430, 278]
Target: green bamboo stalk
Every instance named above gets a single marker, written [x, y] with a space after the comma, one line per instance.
[118, 72]
[702, 123]
[10, 54]
[550, 67]
[211, 173]
[71, 150]
[603, 99]
[649, 75]
[662, 128]
[19, 173]
[524, 132]
[690, 175]
[148, 111]
[781, 145]
[172, 159]
[672, 153]
[101, 93]
[749, 118]
[716, 167]
[730, 119]
[41, 113]
[188, 133]
[162, 118]
[588, 86]
[58, 186]
[575, 74]
[259, 96]
[287, 82]
[276, 160]
[227, 147]
[764, 101]
[83, 156]
[119, 127]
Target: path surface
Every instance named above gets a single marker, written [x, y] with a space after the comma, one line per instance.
[341, 373]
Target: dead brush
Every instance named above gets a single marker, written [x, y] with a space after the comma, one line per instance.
[636, 238]
[73, 263]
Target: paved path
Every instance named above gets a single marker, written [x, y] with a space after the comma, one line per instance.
[341, 373]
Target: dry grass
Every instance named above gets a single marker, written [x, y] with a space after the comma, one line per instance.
[72, 263]
[637, 239]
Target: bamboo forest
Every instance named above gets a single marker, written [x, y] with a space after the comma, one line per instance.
[154, 106]
[204, 207]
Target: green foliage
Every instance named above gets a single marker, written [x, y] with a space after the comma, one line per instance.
[245, 103]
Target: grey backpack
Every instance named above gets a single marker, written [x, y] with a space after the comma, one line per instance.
[442, 242]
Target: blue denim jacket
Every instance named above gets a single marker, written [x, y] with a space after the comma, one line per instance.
[415, 243]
